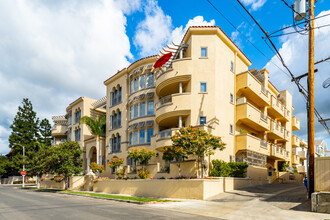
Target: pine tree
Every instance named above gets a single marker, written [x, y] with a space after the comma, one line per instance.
[25, 132]
[45, 132]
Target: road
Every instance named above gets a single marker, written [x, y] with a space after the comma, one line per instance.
[16, 204]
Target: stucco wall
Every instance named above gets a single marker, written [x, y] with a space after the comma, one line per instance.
[322, 174]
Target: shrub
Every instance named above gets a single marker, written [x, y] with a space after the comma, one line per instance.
[220, 168]
[17, 182]
[58, 179]
[238, 169]
[100, 178]
[96, 167]
[231, 169]
[143, 174]
[42, 179]
[120, 174]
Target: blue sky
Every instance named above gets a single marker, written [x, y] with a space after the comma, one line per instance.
[49, 48]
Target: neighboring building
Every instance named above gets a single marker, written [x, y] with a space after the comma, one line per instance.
[320, 148]
[207, 84]
[67, 127]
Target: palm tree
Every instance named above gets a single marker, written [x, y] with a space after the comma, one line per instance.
[97, 128]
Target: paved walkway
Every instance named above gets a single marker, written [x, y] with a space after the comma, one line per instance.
[278, 201]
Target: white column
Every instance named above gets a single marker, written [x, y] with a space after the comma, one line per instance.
[180, 121]
[88, 162]
[181, 53]
[180, 87]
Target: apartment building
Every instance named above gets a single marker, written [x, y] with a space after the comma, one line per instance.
[207, 83]
[67, 127]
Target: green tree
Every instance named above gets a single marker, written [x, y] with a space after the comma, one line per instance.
[196, 141]
[97, 128]
[115, 163]
[45, 132]
[4, 165]
[174, 152]
[25, 132]
[65, 159]
[39, 164]
[141, 154]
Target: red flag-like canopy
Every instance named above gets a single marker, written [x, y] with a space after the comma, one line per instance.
[162, 60]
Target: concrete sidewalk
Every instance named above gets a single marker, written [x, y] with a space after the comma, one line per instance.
[261, 202]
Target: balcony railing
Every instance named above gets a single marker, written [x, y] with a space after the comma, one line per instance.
[168, 99]
[166, 133]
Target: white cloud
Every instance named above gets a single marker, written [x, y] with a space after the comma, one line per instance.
[294, 50]
[255, 4]
[156, 30]
[178, 32]
[56, 51]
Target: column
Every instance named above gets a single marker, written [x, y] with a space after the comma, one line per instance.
[100, 160]
[180, 121]
[180, 87]
[181, 53]
[88, 162]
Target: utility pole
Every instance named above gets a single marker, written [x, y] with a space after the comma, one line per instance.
[23, 183]
[311, 146]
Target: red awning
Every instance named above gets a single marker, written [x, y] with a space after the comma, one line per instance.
[162, 60]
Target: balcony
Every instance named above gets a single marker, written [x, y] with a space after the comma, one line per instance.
[277, 109]
[276, 131]
[301, 169]
[302, 154]
[251, 116]
[250, 142]
[168, 80]
[172, 107]
[295, 123]
[295, 159]
[295, 141]
[252, 88]
[277, 152]
[164, 137]
[59, 130]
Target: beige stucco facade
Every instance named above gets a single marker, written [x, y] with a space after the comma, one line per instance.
[209, 80]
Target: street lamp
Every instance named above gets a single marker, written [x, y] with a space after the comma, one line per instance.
[23, 182]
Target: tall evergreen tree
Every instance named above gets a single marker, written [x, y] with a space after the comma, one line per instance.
[25, 132]
[45, 132]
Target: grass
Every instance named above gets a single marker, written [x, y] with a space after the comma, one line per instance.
[41, 189]
[124, 198]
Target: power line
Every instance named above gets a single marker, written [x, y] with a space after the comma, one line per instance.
[292, 9]
[294, 32]
[273, 32]
[300, 87]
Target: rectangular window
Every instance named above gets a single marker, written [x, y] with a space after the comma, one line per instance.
[151, 80]
[143, 81]
[112, 98]
[131, 113]
[136, 110]
[119, 119]
[70, 120]
[150, 107]
[77, 116]
[232, 66]
[231, 129]
[119, 95]
[142, 137]
[231, 98]
[131, 87]
[115, 96]
[150, 132]
[136, 84]
[130, 138]
[77, 135]
[203, 87]
[203, 51]
[136, 138]
[142, 109]
[202, 120]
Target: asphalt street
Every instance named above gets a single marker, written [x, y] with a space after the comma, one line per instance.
[16, 204]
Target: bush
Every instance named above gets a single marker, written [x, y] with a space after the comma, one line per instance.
[120, 174]
[143, 174]
[17, 182]
[58, 179]
[231, 169]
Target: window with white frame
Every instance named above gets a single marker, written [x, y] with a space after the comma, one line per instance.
[231, 98]
[203, 88]
[202, 120]
[232, 66]
[203, 52]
